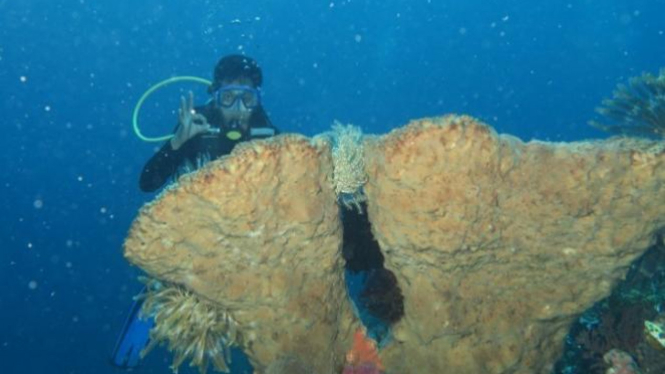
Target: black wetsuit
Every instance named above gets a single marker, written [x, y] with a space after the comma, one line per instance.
[166, 163]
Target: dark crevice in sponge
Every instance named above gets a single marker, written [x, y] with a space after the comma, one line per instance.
[373, 288]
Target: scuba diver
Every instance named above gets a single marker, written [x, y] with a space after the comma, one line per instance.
[233, 115]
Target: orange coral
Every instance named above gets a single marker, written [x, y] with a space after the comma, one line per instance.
[364, 351]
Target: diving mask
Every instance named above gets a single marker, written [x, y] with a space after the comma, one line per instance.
[228, 96]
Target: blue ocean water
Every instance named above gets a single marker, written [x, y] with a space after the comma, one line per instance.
[71, 72]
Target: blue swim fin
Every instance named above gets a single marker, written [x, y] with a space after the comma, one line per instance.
[134, 337]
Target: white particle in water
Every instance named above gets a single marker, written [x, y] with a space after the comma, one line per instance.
[38, 204]
[32, 285]
[23, 78]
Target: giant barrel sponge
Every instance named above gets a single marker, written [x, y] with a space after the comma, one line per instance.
[497, 246]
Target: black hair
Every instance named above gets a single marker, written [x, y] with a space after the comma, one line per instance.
[234, 67]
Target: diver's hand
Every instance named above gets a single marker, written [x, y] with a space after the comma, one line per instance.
[190, 123]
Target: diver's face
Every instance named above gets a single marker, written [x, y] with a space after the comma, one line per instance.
[237, 113]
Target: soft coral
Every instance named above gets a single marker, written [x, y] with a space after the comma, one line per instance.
[363, 358]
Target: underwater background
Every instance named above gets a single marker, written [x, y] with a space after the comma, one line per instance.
[72, 71]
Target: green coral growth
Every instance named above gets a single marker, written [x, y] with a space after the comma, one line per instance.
[656, 332]
[637, 108]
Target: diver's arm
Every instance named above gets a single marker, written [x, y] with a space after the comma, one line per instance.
[161, 166]
[164, 164]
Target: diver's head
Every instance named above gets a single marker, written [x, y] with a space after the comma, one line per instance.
[236, 89]
[234, 67]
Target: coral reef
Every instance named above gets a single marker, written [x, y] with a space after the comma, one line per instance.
[621, 328]
[655, 333]
[637, 108]
[496, 245]
[618, 322]
[621, 363]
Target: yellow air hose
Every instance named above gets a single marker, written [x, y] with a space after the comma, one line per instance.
[150, 91]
